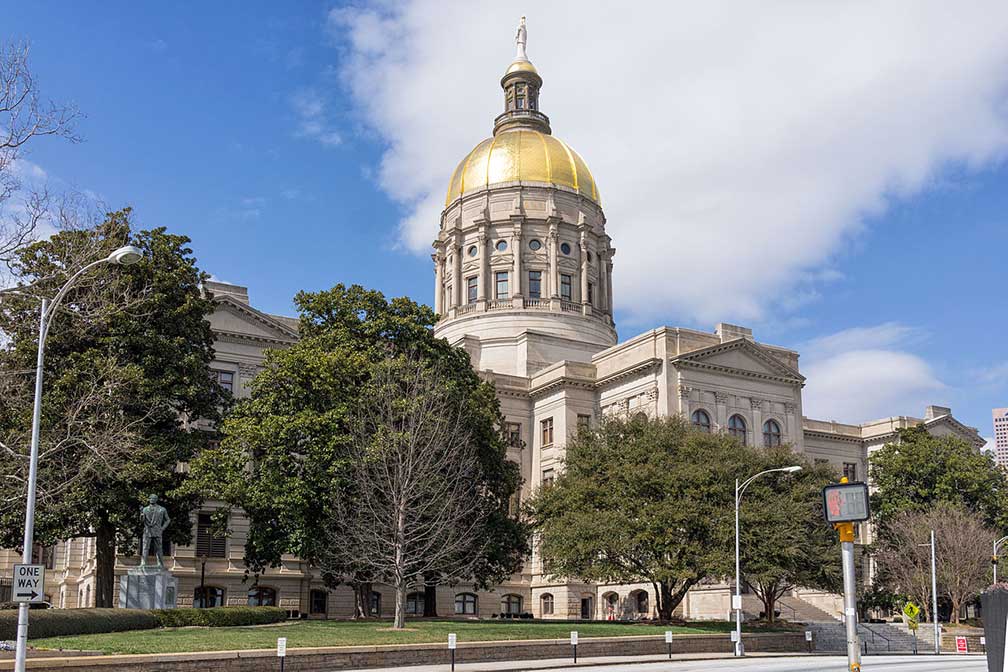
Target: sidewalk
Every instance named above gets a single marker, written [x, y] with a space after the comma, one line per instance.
[556, 663]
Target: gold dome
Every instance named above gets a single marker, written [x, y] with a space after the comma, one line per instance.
[522, 155]
[521, 66]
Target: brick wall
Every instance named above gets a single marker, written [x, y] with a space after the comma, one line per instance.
[355, 657]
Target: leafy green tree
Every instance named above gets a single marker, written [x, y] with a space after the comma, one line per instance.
[919, 470]
[785, 542]
[142, 332]
[643, 500]
[285, 454]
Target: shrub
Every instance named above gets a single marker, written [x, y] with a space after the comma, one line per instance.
[62, 622]
[216, 617]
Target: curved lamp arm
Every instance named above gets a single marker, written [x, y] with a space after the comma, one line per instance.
[745, 484]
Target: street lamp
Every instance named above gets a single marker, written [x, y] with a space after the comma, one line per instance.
[934, 595]
[124, 256]
[739, 489]
[994, 557]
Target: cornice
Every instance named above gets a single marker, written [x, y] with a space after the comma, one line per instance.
[833, 437]
[695, 360]
[647, 366]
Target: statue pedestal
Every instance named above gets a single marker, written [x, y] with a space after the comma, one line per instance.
[149, 587]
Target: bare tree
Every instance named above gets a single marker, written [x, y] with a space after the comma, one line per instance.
[24, 117]
[414, 508]
[962, 544]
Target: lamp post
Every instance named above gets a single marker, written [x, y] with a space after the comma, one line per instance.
[202, 581]
[124, 256]
[737, 600]
[994, 559]
[934, 595]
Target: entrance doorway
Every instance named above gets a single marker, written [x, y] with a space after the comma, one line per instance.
[586, 608]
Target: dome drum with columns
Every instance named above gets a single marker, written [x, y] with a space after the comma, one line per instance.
[522, 246]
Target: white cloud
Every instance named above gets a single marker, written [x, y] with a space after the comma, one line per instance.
[864, 374]
[740, 143]
[995, 375]
[989, 446]
[313, 118]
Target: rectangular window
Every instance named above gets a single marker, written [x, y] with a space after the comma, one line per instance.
[501, 280]
[547, 431]
[318, 602]
[535, 285]
[512, 434]
[450, 300]
[850, 471]
[591, 294]
[583, 422]
[223, 378]
[471, 291]
[208, 544]
[565, 287]
[548, 477]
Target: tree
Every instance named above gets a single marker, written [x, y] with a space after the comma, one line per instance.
[160, 348]
[285, 454]
[962, 544]
[643, 500]
[414, 508]
[920, 470]
[24, 118]
[785, 542]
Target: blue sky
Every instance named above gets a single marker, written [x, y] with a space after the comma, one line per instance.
[860, 221]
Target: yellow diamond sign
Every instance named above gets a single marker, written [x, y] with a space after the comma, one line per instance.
[911, 611]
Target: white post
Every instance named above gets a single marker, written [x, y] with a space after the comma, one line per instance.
[934, 597]
[29, 531]
[850, 605]
[738, 579]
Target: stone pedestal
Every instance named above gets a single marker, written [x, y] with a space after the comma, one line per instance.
[149, 587]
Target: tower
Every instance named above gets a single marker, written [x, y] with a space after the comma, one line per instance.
[522, 261]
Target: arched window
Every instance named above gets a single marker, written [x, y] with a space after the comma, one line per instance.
[209, 596]
[415, 604]
[465, 603]
[375, 606]
[737, 427]
[771, 433]
[317, 601]
[261, 596]
[511, 604]
[547, 603]
[701, 420]
[641, 602]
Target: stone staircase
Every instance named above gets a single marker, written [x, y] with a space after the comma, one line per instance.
[792, 609]
[875, 637]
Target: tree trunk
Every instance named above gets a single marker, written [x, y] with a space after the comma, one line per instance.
[400, 606]
[665, 602]
[954, 616]
[769, 602]
[362, 599]
[430, 598]
[105, 565]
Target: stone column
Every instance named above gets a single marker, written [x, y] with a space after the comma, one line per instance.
[609, 295]
[516, 250]
[554, 278]
[603, 287]
[789, 422]
[757, 419]
[721, 401]
[484, 280]
[438, 282]
[456, 273]
[685, 407]
[584, 267]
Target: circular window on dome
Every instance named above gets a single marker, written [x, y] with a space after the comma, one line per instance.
[473, 251]
[501, 245]
[565, 248]
[534, 244]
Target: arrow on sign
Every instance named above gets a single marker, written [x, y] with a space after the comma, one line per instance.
[32, 595]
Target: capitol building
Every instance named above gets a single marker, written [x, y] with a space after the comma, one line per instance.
[523, 261]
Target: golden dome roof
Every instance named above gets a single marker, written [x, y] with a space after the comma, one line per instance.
[522, 155]
[521, 66]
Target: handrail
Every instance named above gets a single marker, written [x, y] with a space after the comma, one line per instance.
[873, 633]
[794, 612]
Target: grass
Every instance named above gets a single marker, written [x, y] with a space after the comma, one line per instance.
[354, 633]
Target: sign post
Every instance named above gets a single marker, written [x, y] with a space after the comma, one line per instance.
[912, 611]
[452, 640]
[843, 505]
[962, 646]
[808, 638]
[574, 644]
[29, 583]
[282, 651]
[668, 640]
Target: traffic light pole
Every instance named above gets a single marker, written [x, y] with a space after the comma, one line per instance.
[846, 531]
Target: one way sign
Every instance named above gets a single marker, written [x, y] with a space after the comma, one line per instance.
[29, 583]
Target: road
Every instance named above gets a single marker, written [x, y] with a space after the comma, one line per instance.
[945, 663]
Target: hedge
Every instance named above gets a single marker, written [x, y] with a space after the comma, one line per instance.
[62, 622]
[216, 617]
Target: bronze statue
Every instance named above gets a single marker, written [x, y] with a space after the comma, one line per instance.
[155, 521]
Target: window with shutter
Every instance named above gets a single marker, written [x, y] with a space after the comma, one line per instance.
[208, 544]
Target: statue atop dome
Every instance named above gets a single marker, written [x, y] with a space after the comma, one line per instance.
[521, 39]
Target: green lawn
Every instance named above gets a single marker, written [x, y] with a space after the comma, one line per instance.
[350, 633]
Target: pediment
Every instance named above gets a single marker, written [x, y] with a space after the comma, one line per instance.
[239, 320]
[740, 357]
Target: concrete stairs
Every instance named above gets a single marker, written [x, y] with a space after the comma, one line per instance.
[875, 637]
[791, 609]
